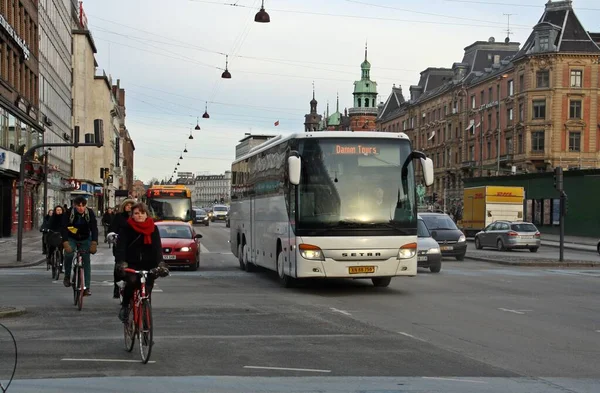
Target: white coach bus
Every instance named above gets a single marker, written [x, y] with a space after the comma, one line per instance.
[328, 204]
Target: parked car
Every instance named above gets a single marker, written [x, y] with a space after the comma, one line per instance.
[509, 235]
[429, 255]
[180, 244]
[201, 217]
[451, 240]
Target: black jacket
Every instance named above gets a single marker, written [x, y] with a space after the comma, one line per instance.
[55, 222]
[131, 249]
[118, 222]
[85, 227]
[108, 218]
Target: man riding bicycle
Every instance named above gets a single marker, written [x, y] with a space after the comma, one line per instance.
[79, 227]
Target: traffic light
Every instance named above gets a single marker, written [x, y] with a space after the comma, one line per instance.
[565, 204]
[558, 178]
[435, 197]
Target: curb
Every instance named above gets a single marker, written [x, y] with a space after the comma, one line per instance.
[15, 312]
[536, 264]
[22, 264]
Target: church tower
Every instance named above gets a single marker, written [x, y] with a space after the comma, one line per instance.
[364, 112]
[312, 121]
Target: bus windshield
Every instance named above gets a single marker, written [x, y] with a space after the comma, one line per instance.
[178, 209]
[357, 183]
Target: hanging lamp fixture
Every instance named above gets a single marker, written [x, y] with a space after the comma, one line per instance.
[262, 16]
[180, 156]
[197, 128]
[185, 148]
[206, 115]
[226, 74]
[191, 136]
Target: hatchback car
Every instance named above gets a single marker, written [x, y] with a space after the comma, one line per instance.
[509, 235]
[220, 213]
[180, 244]
[201, 217]
[428, 255]
[452, 241]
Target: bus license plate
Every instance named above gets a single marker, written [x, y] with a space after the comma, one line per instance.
[168, 256]
[361, 269]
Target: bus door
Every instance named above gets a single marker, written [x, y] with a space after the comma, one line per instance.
[291, 235]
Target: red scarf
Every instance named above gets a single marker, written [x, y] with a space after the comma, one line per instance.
[146, 228]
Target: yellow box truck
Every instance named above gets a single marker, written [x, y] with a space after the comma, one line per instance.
[486, 204]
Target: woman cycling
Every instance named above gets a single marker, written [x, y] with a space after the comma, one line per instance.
[139, 247]
[53, 225]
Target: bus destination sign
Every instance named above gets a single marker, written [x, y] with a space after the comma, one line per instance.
[356, 150]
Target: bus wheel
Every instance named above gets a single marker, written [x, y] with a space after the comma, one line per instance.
[285, 280]
[245, 263]
[241, 256]
[381, 281]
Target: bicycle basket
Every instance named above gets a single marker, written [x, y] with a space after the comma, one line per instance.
[54, 239]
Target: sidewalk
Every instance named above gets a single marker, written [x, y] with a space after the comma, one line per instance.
[540, 262]
[572, 242]
[32, 250]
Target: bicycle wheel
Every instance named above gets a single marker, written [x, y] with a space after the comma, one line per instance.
[52, 260]
[57, 264]
[75, 284]
[145, 334]
[129, 331]
[81, 289]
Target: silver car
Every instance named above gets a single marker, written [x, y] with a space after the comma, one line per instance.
[429, 255]
[509, 235]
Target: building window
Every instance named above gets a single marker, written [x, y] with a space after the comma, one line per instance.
[522, 83]
[473, 101]
[574, 141]
[544, 43]
[575, 109]
[521, 114]
[509, 114]
[511, 87]
[543, 79]
[520, 143]
[489, 150]
[576, 76]
[509, 146]
[472, 153]
[490, 96]
[359, 102]
[482, 99]
[539, 109]
[537, 141]
[489, 121]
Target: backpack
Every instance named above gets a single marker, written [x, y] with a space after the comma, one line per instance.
[86, 215]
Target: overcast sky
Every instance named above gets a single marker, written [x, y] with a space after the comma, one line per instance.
[169, 58]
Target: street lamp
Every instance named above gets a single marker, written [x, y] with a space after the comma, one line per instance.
[262, 16]
[197, 128]
[206, 115]
[226, 74]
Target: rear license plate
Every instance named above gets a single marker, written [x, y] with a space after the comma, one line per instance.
[361, 269]
[446, 248]
[526, 237]
[168, 256]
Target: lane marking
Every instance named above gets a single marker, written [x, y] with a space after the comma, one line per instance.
[309, 370]
[203, 249]
[597, 331]
[455, 379]
[520, 312]
[411, 336]
[204, 336]
[340, 311]
[105, 360]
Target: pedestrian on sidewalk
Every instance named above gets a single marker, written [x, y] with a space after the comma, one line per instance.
[45, 224]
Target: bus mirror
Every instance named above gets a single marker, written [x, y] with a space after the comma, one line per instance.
[427, 165]
[294, 169]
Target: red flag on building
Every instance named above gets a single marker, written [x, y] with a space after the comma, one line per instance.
[276, 123]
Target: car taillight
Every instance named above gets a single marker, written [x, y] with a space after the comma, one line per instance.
[511, 233]
[537, 234]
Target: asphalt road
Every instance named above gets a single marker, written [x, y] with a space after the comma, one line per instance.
[473, 327]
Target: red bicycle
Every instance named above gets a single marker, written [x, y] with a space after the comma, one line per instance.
[139, 317]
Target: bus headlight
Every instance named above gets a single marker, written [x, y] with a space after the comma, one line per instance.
[407, 251]
[311, 252]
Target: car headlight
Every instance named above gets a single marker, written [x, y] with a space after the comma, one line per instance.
[462, 238]
[434, 250]
[407, 251]
[311, 252]
[185, 249]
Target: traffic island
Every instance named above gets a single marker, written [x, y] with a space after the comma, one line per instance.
[9, 312]
[512, 261]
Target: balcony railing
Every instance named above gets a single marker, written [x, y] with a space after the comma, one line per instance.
[468, 164]
[362, 111]
[506, 157]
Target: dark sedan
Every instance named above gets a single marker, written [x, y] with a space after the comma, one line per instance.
[452, 241]
[201, 217]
